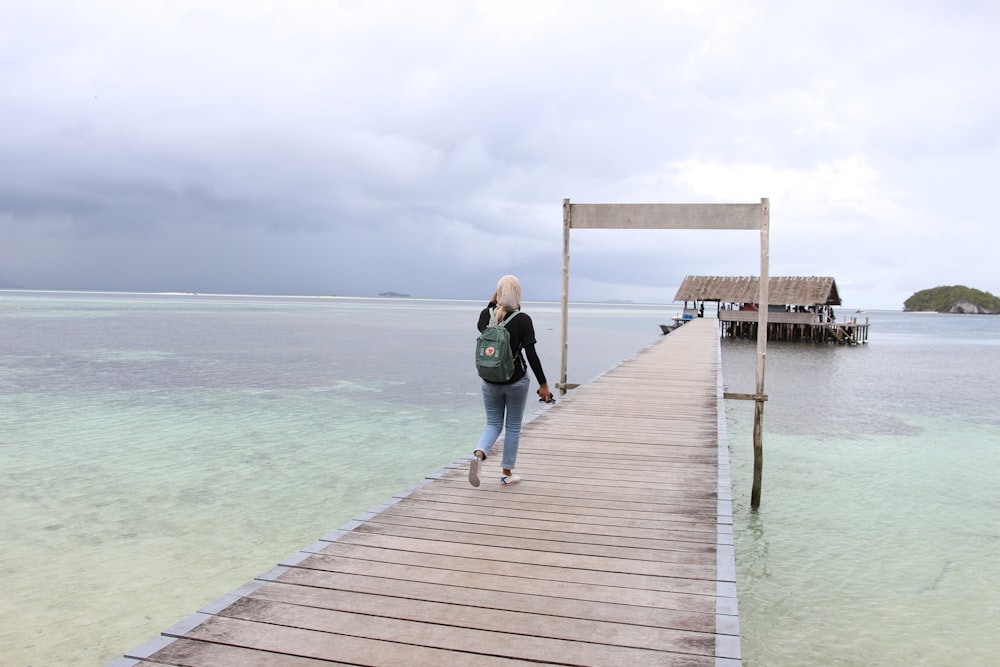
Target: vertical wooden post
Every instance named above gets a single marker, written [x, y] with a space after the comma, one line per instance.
[564, 344]
[758, 413]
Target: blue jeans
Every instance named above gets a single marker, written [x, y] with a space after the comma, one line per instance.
[499, 399]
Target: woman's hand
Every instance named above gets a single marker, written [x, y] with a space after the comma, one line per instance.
[545, 394]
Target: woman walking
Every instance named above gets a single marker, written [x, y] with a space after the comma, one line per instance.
[505, 401]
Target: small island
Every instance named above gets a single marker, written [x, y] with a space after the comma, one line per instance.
[953, 299]
[394, 295]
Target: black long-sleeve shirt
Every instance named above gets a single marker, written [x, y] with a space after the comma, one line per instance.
[521, 331]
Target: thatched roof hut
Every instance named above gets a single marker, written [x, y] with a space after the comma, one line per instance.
[799, 308]
[782, 290]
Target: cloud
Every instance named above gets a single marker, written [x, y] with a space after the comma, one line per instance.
[426, 147]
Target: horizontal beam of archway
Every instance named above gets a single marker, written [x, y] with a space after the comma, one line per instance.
[665, 216]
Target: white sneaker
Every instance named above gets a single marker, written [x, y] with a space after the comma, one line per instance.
[474, 470]
[507, 480]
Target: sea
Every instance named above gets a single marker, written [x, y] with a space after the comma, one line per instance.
[160, 450]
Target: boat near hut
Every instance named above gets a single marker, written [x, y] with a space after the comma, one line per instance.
[679, 319]
[799, 308]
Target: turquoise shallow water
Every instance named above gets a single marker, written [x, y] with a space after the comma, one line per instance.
[878, 538]
[159, 451]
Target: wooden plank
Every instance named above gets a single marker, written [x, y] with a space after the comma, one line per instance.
[441, 642]
[312, 643]
[660, 531]
[587, 543]
[611, 551]
[652, 531]
[344, 591]
[570, 626]
[642, 610]
[585, 506]
[527, 563]
[665, 216]
[689, 593]
[192, 652]
[773, 317]
[744, 397]
[563, 491]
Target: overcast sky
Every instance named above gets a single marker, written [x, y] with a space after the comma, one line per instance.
[354, 148]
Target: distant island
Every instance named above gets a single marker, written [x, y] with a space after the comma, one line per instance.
[953, 299]
[394, 295]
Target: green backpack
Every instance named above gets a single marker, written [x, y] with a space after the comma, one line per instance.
[494, 358]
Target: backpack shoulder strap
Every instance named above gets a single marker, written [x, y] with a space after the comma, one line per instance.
[510, 317]
[516, 353]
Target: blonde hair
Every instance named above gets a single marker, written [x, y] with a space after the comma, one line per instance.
[508, 296]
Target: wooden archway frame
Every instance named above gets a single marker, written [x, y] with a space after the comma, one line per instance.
[680, 216]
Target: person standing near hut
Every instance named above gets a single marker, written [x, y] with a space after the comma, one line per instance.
[504, 401]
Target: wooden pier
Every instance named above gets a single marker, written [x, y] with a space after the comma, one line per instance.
[616, 549]
[795, 326]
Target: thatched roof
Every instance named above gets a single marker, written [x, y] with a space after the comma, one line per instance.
[782, 290]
